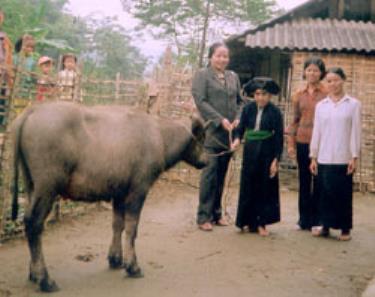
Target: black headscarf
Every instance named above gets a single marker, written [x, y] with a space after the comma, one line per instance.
[263, 83]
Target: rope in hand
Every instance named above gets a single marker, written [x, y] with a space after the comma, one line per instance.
[228, 149]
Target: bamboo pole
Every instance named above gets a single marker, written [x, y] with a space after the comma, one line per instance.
[117, 86]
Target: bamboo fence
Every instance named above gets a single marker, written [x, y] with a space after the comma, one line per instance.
[168, 94]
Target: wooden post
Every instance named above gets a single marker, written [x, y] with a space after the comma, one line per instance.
[6, 156]
[204, 34]
[336, 9]
[117, 86]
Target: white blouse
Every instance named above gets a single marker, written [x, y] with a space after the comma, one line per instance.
[258, 118]
[336, 137]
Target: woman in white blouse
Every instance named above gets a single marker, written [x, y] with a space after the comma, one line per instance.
[334, 150]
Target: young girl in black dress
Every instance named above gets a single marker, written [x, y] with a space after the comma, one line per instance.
[261, 126]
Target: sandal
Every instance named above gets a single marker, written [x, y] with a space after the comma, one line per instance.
[222, 222]
[207, 226]
[263, 231]
[320, 232]
[344, 237]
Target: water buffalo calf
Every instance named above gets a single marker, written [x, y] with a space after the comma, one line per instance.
[91, 154]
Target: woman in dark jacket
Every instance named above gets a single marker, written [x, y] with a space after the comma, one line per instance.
[261, 126]
[216, 92]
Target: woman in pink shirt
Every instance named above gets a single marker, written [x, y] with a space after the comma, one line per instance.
[299, 137]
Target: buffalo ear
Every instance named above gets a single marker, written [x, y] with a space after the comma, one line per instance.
[197, 125]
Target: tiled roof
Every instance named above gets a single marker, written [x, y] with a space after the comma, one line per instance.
[316, 34]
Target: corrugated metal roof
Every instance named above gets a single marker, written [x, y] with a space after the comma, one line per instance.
[316, 34]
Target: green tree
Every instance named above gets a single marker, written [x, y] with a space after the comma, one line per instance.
[110, 51]
[33, 17]
[105, 46]
[187, 22]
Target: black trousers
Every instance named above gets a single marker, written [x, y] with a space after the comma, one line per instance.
[308, 190]
[336, 199]
[211, 187]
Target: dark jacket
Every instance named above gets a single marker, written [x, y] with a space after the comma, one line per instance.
[272, 121]
[215, 102]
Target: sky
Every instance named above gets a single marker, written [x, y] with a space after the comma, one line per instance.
[150, 48]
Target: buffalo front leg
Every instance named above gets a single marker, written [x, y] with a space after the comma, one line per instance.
[38, 210]
[115, 251]
[131, 264]
[132, 215]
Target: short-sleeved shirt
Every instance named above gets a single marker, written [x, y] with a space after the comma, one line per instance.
[68, 84]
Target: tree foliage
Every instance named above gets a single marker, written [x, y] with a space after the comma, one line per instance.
[34, 17]
[187, 22]
[110, 50]
[105, 46]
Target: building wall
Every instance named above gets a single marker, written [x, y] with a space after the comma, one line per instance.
[360, 71]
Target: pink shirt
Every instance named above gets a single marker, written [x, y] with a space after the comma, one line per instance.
[300, 130]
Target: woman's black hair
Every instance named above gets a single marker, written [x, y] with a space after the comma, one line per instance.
[317, 62]
[66, 56]
[18, 45]
[337, 70]
[213, 48]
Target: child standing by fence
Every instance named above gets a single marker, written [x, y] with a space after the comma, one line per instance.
[68, 79]
[25, 59]
[45, 88]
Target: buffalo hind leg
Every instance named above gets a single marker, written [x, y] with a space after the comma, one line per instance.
[115, 258]
[38, 210]
[132, 215]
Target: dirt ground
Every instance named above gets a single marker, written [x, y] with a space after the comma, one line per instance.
[179, 260]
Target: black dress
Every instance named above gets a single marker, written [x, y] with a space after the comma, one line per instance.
[258, 203]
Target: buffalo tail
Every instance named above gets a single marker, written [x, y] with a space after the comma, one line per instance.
[17, 134]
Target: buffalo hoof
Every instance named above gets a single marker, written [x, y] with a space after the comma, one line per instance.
[134, 272]
[115, 262]
[33, 278]
[49, 286]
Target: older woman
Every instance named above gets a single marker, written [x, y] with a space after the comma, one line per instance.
[334, 150]
[216, 92]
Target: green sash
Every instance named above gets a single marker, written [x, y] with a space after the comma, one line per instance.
[257, 135]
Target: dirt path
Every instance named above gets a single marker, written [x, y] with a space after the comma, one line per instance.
[179, 260]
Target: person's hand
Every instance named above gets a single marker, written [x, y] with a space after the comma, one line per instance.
[352, 166]
[314, 167]
[226, 124]
[274, 168]
[235, 123]
[234, 145]
[292, 152]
